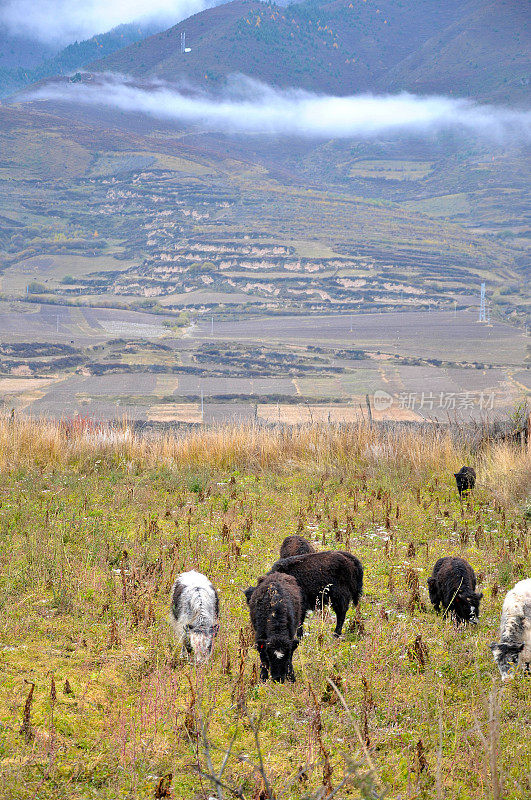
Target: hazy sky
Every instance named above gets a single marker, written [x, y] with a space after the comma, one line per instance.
[250, 107]
[59, 22]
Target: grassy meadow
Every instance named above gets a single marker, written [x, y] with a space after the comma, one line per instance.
[94, 700]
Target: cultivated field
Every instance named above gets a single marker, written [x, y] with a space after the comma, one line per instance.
[94, 699]
[51, 270]
[24, 322]
[106, 363]
[440, 335]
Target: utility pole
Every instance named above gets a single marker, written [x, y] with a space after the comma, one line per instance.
[368, 402]
[212, 327]
[482, 305]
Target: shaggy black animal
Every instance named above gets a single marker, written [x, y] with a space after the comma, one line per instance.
[295, 546]
[329, 577]
[276, 614]
[465, 479]
[453, 586]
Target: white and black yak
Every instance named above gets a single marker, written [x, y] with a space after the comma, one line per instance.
[465, 479]
[194, 614]
[295, 546]
[453, 586]
[275, 604]
[331, 576]
[515, 631]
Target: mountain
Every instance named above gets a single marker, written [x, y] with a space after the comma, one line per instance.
[142, 208]
[487, 50]
[23, 62]
[19, 51]
[474, 48]
[465, 48]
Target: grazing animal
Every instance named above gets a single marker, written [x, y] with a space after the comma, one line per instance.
[453, 585]
[276, 614]
[295, 546]
[194, 614]
[515, 631]
[329, 577]
[465, 479]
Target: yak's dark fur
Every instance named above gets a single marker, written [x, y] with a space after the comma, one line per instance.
[465, 479]
[276, 615]
[329, 577]
[453, 586]
[295, 546]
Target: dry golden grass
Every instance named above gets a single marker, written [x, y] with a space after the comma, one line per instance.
[289, 414]
[504, 468]
[18, 385]
[24, 441]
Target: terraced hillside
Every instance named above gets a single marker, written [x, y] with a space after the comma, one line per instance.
[93, 213]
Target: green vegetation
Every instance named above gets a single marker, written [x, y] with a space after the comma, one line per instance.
[70, 58]
[36, 288]
[94, 700]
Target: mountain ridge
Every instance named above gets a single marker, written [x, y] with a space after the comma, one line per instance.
[343, 47]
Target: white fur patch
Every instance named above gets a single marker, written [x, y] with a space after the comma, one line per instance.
[515, 624]
[278, 653]
[193, 579]
[516, 607]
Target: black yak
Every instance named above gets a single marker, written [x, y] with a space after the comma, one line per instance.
[276, 615]
[465, 479]
[295, 546]
[329, 577]
[453, 586]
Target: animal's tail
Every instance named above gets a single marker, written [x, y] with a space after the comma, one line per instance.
[356, 577]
